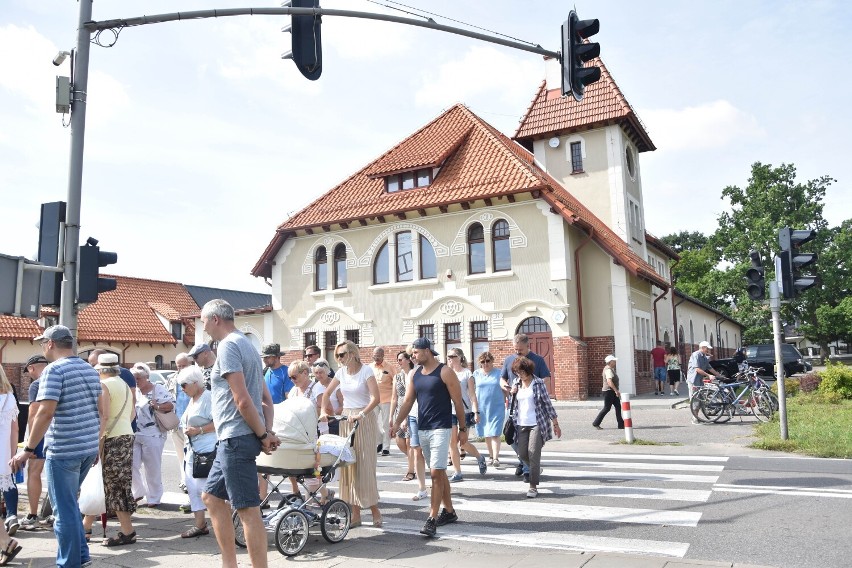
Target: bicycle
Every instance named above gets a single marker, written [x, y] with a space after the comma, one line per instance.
[719, 401]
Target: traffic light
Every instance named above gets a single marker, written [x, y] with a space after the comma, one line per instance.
[755, 278]
[307, 40]
[792, 281]
[575, 52]
[50, 222]
[89, 284]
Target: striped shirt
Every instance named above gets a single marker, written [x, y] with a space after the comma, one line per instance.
[75, 386]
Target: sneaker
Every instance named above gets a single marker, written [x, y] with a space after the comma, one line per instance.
[498, 465]
[677, 393]
[46, 521]
[430, 528]
[182, 486]
[457, 476]
[526, 478]
[446, 517]
[519, 471]
[420, 495]
[532, 493]
[30, 523]
[656, 393]
[483, 467]
[385, 452]
[185, 508]
[379, 449]
[597, 427]
[12, 524]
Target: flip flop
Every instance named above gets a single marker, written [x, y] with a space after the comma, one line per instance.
[410, 476]
[10, 552]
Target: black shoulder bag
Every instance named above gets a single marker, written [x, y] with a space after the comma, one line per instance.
[509, 426]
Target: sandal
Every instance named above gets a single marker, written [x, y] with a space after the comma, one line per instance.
[410, 476]
[10, 552]
[121, 539]
[195, 531]
[89, 535]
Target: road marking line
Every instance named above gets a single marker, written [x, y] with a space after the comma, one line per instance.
[556, 541]
[559, 510]
[637, 465]
[650, 457]
[774, 490]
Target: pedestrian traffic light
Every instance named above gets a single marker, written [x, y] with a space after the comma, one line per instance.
[575, 52]
[306, 50]
[89, 283]
[755, 278]
[791, 279]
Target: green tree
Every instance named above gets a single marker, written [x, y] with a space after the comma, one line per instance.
[686, 241]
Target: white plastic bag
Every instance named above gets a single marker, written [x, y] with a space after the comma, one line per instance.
[92, 500]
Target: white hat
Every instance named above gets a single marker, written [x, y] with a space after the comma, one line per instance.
[610, 358]
[705, 344]
[107, 361]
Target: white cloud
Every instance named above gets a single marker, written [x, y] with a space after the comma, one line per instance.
[712, 125]
[482, 71]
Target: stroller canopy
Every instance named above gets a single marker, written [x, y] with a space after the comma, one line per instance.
[295, 423]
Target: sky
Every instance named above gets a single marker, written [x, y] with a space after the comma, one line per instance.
[200, 140]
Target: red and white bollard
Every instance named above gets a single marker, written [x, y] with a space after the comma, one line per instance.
[625, 415]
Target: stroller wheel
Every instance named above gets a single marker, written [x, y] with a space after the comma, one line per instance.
[239, 532]
[334, 523]
[291, 532]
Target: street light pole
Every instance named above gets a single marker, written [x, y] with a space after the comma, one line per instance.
[79, 88]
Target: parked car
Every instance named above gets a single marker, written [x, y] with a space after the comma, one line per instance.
[763, 357]
[158, 378]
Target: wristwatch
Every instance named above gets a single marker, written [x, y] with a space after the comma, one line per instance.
[29, 450]
[462, 428]
[262, 438]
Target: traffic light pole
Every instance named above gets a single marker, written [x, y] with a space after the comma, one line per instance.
[778, 335]
[80, 81]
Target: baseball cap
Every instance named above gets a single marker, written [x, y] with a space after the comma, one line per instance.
[198, 349]
[423, 343]
[705, 344]
[54, 333]
[610, 358]
[34, 360]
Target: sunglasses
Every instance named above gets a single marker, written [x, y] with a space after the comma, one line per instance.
[341, 355]
[184, 385]
[486, 361]
[452, 356]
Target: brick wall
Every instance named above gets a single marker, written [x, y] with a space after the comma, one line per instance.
[14, 372]
[597, 349]
[570, 359]
[643, 371]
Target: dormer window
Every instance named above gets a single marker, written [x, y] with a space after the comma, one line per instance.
[408, 180]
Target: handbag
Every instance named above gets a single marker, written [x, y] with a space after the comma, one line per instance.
[509, 426]
[166, 421]
[202, 462]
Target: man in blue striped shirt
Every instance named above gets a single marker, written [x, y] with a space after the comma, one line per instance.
[69, 418]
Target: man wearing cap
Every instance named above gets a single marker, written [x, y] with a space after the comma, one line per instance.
[610, 393]
[242, 413]
[699, 368]
[204, 358]
[435, 386]
[69, 413]
[33, 367]
[277, 379]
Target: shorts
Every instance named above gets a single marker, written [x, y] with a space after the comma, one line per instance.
[660, 374]
[38, 453]
[413, 432]
[674, 376]
[233, 476]
[436, 445]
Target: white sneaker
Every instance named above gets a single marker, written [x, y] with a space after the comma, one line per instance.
[420, 495]
[12, 524]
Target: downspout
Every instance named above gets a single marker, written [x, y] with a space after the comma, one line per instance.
[719, 330]
[579, 285]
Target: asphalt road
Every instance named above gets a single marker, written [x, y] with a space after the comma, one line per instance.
[699, 494]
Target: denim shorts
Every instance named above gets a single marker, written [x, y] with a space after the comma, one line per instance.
[39, 451]
[414, 432]
[233, 476]
[436, 444]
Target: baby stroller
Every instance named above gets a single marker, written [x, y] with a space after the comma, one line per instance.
[313, 462]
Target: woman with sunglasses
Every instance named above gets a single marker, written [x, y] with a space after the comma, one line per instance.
[492, 406]
[358, 485]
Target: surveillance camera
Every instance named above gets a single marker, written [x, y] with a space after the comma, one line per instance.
[60, 58]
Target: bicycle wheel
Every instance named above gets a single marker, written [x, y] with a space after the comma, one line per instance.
[762, 407]
[334, 522]
[291, 532]
[696, 406]
[239, 532]
[718, 406]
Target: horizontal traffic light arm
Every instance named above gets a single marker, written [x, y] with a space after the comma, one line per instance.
[229, 12]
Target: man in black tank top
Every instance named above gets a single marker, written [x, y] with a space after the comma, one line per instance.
[435, 386]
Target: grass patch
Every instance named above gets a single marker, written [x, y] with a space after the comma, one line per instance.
[815, 427]
[640, 442]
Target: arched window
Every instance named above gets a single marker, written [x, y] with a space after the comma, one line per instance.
[320, 269]
[711, 341]
[476, 249]
[380, 266]
[340, 266]
[428, 265]
[404, 257]
[533, 325]
[691, 335]
[705, 332]
[500, 245]
[158, 362]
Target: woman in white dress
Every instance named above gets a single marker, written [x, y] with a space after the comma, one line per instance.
[9, 547]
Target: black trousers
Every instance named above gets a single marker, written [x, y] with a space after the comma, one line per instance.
[610, 401]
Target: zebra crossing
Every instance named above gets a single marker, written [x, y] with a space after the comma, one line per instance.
[618, 489]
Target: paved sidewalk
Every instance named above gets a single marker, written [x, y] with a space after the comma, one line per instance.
[160, 545]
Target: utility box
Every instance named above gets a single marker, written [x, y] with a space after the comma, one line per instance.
[63, 95]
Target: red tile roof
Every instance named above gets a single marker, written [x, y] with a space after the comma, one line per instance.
[485, 164]
[18, 328]
[603, 103]
[127, 314]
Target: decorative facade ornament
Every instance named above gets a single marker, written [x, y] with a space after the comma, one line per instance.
[330, 318]
[295, 338]
[485, 217]
[497, 321]
[451, 308]
[558, 316]
[367, 338]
